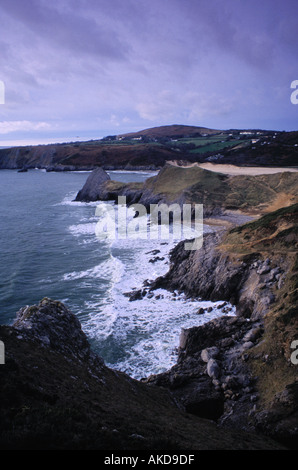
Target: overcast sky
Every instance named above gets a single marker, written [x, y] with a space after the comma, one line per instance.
[79, 69]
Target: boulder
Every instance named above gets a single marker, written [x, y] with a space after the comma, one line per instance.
[213, 369]
[54, 326]
[209, 353]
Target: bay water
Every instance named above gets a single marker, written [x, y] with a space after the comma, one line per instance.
[49, 248]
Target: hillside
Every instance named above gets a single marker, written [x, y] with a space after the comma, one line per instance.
[281, 149]
[172, 131]
[152, 148]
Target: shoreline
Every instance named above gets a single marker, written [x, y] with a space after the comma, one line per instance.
[225, 168]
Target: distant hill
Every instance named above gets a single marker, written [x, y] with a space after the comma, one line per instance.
[172, 131]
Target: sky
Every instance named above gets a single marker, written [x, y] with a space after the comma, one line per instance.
[84, 69]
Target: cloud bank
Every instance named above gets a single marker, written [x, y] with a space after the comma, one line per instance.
[88, 68]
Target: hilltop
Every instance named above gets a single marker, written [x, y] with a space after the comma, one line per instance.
[174, 131]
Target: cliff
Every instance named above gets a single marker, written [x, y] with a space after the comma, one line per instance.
[238, 370]
[57, 394]
[92, 189]
[87, 156]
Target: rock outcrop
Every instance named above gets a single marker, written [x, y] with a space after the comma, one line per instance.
[211, 378]
[94, 186]
[56, 394]
[213, 274]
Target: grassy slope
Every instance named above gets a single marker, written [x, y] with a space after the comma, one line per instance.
[172, 181]
[253, 194]
[274, 235]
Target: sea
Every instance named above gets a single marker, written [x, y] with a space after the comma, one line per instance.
[49, 248]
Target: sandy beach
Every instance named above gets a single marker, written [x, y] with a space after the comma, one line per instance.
[237, 170]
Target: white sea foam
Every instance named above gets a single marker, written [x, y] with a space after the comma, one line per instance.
[69, 200]
[110, 269]
[139, 337]
[83, 229]
[146, 331]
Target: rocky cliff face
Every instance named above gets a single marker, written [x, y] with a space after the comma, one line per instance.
[57, 394]
[86, 156]
[214, 274]
[99, 187]
[237, 370]
[93, 188]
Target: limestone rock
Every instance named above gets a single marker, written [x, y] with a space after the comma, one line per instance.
[209, 353]
[93, 188]
[213, 369]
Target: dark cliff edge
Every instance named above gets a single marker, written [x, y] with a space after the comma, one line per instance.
[57, 394]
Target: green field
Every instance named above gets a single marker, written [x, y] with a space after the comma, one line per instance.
[198, 141]
[217, 146]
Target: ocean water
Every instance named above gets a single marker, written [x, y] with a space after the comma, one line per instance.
[49, 248]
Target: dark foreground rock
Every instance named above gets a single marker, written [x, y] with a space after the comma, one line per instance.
[57, 394]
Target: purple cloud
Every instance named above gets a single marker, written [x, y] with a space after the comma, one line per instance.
[84, 66]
